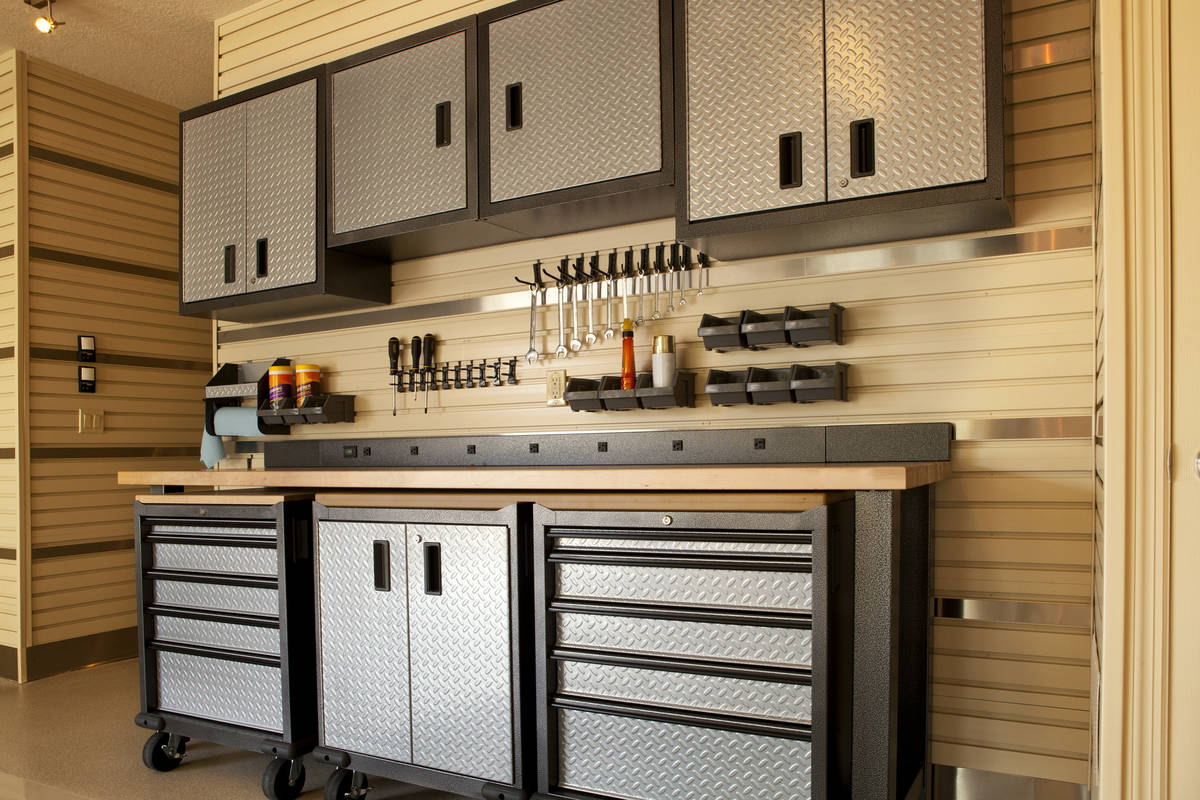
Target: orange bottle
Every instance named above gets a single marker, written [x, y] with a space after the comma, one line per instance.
[628, 373]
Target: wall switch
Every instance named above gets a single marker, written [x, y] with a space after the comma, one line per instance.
[91, 422]
[556, 386]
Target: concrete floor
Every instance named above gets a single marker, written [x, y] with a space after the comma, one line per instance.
[72, 737]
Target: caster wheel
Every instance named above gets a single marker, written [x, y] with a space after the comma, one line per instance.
[340, 786]
[278, 782]
[155, 756]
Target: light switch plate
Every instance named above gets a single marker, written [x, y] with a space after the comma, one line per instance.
[91, 421]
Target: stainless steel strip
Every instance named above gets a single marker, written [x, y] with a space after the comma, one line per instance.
[960, 783]
[739, 274]
[1075, 46]
[974, 430]
[1074, 615]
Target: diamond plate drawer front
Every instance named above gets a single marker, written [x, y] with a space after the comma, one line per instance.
[249, 638]
[686, 586]
[252, 599]
[216, 558]
[180, 529]
[213, 195]
[675, 545]
[669, 637]
[363, 636]
[784, 701]
[281, 196]
[387, 165]
[755, 72]
[646, 760]
[917, 69]
[589, 74]
[460, 650]
[226, 691]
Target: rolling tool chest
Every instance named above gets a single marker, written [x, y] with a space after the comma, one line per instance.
[225, 622]
[420, 621]
[689, 655]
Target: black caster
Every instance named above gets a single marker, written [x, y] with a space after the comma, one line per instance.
[346, 784]
[163, 752]
[283, 779]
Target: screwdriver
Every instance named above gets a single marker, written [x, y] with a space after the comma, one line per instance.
[430, 346]
[415, 347]
[394, 369]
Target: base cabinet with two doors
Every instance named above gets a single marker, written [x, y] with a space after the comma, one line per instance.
[528, 652]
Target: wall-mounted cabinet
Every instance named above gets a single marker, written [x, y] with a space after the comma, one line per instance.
[837, 122]
[252, 243]
[576, 124]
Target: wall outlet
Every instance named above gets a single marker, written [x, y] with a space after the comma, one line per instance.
[91, 421]
[556, 386]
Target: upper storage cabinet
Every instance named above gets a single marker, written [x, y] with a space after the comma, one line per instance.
[826, 123]
[252, 235]
[576, 113]
[403, 151]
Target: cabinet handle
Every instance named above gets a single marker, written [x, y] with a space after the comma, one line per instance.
[791, 160]
[862, 148]
[433, 567]
[230, 263]
[382, 551]
[260, 256]
[442, 123]
[514, 114]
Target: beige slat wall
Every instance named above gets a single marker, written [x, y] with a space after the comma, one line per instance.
[997, 337]
[10, 590]
[76, 500]
[1098, 471]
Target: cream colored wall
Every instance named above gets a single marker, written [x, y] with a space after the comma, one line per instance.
[1008, 337]
[10, 587]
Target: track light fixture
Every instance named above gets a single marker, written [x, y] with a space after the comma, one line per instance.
[46, 23]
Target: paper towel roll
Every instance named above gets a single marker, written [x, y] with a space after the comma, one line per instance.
[230, 421]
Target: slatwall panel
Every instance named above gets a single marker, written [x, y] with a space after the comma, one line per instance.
[1097, 478]
[996, 337]
[105, 215]
[10, 589]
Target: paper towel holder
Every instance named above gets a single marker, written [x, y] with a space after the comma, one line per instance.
[232, 383]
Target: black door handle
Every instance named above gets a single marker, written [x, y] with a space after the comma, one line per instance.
[230, 263]
[433, 568]
[791, 160]
[862, 148]
[382, 553]
[441, 114]
[260, 258]
[514, 113]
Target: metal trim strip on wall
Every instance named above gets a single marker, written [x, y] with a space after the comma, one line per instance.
[53, 156]
[7, 250]
[6, 150]
[81, 549]
[1074, 615]
[75, 451]
[78, 260]
[960, 783]
[8, 554]
[1035, 55]
[766, 270]
[992, 429]
[66, 354]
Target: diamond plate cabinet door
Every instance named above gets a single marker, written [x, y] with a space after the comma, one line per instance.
[213, 238]
[460, 649]
[577, 123]
[905, 91]
[756, 105]
[362, 626]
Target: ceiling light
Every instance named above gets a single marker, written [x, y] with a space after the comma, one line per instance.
[47, 23]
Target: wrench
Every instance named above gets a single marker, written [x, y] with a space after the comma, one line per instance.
[574, 344]
[643, 270]
[590, 337]
[654, 276]
[561, 350]
[612, 287]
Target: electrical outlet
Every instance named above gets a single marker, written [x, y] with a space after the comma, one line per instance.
[91, 422]
[556, 386]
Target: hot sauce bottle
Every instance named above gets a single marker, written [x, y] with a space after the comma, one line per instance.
[628, 373]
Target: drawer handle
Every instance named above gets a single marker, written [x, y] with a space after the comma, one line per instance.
[382, 551]
[260, 258]
[791, 160]
[230, 263]
[514, 113]
[862, 148]
[432, 553]
[441, 113]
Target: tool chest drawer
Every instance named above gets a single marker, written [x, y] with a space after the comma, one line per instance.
[215, 558]
[791, 646]
[685, 586]
[790, 702]
[214, 633]
[236, 692]
[625, 757]
[215, 596]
